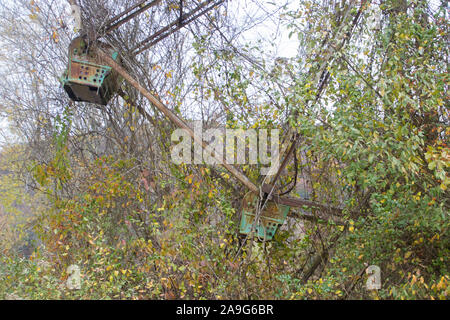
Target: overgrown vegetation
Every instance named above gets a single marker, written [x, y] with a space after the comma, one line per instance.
[366, 94]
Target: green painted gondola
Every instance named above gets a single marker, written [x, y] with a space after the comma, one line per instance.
[87, 78]
[270, 219]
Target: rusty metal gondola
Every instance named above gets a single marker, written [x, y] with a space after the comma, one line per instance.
[87, 77]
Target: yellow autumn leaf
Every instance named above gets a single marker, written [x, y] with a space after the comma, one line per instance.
[55, 37]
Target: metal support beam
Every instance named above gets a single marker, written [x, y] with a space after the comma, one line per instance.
[175, 119]
[176, 25]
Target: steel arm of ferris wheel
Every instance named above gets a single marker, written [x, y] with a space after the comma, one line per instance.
[293, 202]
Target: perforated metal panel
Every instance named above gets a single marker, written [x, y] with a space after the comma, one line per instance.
[270, 219]
[85, 78]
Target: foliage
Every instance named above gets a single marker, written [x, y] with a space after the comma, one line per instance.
[369, 104]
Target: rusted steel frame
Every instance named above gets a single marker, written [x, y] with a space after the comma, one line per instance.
[129, 17]
[320, 90]
[164, 29]
[179, 23]
[296, 202]
[174, 118]
[178, 27]
[120, 15]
